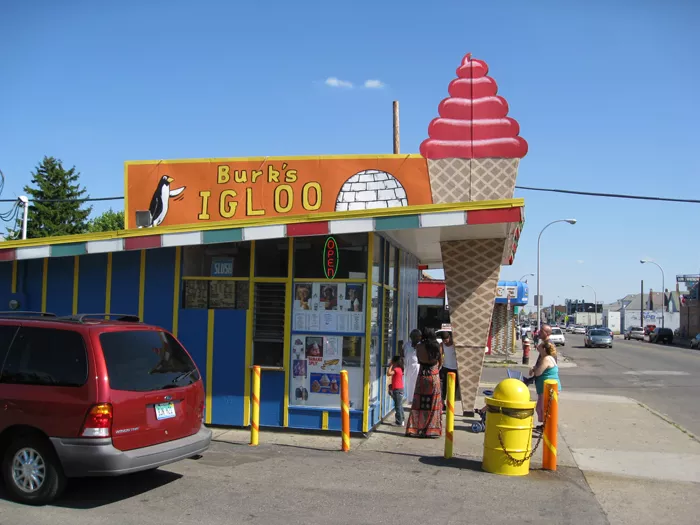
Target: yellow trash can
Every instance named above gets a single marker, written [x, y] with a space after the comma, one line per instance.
[508, 436]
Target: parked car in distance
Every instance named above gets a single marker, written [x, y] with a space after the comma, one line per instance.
[569, 328]
[634, 332]
[598, 337]
[557, 337]
[579, 329]
[695, 342]
[83, 396]
[661, 335]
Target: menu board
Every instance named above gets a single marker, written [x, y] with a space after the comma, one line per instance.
[222, 294]
[196, 294]
[316, 364]
[328, 307]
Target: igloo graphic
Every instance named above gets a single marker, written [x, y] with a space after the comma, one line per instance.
[371, 189]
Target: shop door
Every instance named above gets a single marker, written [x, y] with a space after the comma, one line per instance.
[268, 349]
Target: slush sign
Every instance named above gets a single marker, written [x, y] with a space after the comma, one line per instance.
[330, 258]
[222, 267]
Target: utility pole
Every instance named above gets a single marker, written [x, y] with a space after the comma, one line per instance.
[641, 306]
[397, 141]
[24, 202]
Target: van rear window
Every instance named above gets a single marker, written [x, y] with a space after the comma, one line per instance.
[146, 360]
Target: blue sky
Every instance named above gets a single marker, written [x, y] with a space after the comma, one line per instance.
[605, 94]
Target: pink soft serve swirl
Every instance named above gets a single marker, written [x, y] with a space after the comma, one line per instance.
[473, 121]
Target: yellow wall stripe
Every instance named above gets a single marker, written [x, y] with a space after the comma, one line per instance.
[368, 331]
[76, 280]
[249, 338]
[142, 283]
[14, 276]
[108, 284]
[210, 363]
[324, 421]
[44, 284]
[289, 301]
[176, 289]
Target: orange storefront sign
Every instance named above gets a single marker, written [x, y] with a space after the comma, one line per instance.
[213, 190]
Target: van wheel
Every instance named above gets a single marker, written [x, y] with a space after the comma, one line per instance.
[32, 472]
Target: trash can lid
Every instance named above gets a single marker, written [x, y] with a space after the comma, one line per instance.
[512, 390]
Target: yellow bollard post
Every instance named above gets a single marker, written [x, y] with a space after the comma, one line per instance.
[551, 404]
[345, 410]
[450, 417]
[255, 419]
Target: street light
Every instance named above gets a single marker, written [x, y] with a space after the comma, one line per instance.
[663, 289]
[595, 295]
[539, 237]
[526, 275]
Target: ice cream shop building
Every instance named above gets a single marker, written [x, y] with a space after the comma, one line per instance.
[303, 265]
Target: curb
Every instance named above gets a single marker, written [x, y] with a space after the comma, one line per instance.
[665, 418]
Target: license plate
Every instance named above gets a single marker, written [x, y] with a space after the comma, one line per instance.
[165, 410]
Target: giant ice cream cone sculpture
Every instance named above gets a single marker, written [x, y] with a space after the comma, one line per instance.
[474, 148]
[472, 154]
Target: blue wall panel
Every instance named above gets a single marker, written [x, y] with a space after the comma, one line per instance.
[59, 287]
[5, 284]
[158, 292]
[271, 398]
[126, 268]
[92, 283]
[192, 333]
[229, 367]
[30, 276]
[304, 418]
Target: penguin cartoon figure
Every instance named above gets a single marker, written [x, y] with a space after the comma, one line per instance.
[161, 198]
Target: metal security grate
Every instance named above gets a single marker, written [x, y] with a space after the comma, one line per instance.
[268, 317]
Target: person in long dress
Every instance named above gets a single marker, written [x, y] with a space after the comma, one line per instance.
[425, 420]
[411, 365]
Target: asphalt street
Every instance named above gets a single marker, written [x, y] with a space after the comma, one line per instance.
[665, 378]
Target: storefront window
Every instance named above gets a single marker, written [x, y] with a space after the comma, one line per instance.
[215, 294]
[331, 257]
[375, 346]
[389, 328]
[392, 266]
[271, 258]
[328, 307]
[316, 364]
[268, 324]
[216, 260]
[378, 259]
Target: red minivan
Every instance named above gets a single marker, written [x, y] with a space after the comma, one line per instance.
[86, 396]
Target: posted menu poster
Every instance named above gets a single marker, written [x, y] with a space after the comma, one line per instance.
[320, 307]
[316, 365]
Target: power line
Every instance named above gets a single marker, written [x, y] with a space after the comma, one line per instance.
[527, 188]
[89, 199]
[611, 195]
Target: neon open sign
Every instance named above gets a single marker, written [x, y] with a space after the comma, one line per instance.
[330, 258]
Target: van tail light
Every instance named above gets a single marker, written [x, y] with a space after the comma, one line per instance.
[202, 407]
[98, 422]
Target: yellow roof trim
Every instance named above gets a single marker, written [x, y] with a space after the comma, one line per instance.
[270, 221]
[277, 158]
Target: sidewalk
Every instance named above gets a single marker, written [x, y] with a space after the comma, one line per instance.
[640, 467]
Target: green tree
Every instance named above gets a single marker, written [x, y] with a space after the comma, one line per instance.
[109, 221]
[55, 206]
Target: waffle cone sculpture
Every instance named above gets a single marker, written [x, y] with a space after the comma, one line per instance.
[473, 151]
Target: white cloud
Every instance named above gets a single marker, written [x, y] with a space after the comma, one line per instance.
[337, 83]
[374, 84]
